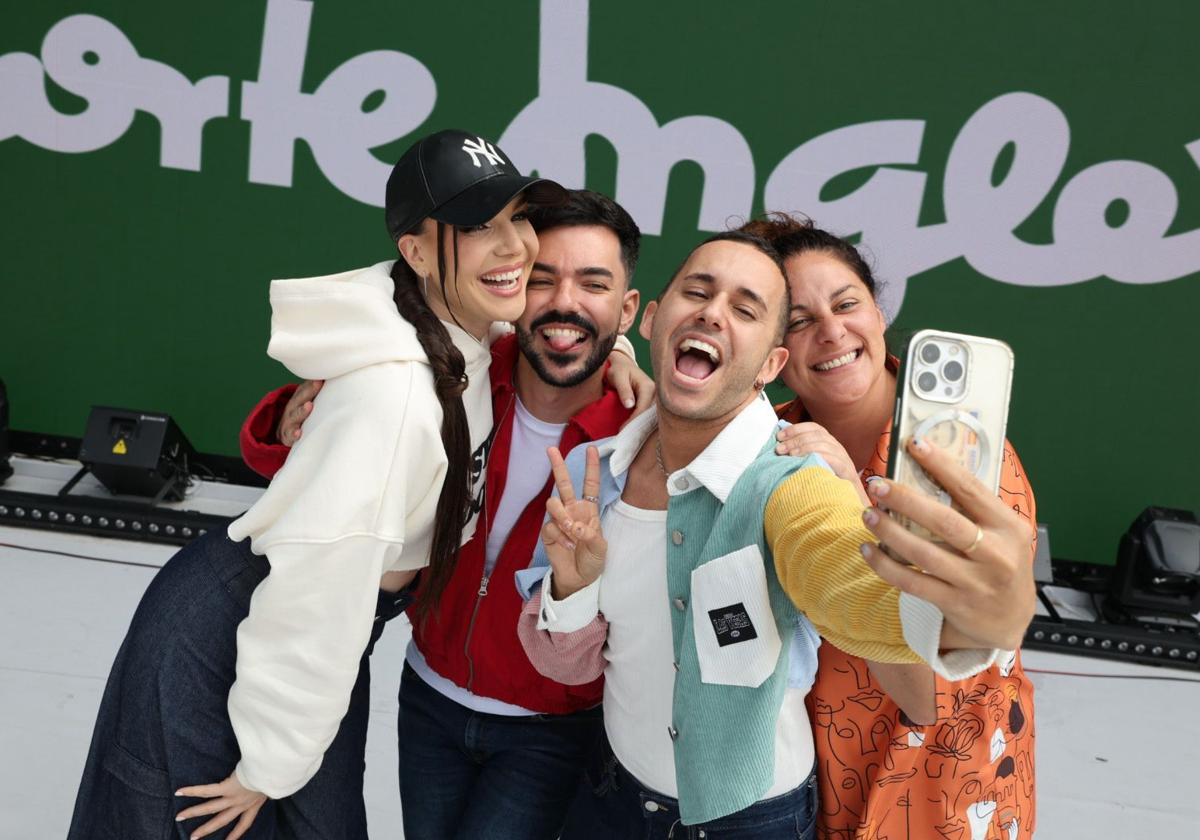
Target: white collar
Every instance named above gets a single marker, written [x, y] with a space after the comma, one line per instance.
[721, 463]
[628, 442]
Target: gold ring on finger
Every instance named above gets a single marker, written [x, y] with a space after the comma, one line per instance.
[975, 542]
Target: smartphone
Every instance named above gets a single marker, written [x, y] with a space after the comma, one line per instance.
[952, 391]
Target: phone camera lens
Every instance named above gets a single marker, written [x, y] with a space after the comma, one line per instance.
[927, 381]
[953, 371]
[930, 353]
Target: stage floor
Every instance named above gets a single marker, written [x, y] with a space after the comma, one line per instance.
[1116, 757]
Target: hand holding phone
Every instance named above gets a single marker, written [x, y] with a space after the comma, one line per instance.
[977, 570]
[952, 392]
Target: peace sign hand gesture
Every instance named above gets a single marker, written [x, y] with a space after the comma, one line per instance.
[572, 537]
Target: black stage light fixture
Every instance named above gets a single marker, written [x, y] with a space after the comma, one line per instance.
[139, 453]
[5, 467]
[1157, 576]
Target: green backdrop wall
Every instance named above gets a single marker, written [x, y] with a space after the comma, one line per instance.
[1026, 170]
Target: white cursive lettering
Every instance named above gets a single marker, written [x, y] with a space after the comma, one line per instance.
[91, 58]
[983, 206]
[548, 134]
[331, 119]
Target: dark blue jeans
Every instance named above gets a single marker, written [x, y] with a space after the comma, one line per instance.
[163, 722]
[612, 803]
[475, 776]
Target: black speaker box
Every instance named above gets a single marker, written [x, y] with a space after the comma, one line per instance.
[139, 453]
[1157, 575]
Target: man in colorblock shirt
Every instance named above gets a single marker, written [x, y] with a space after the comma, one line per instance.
[690, 565]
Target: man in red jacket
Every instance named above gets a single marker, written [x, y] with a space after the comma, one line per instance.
[488, 746]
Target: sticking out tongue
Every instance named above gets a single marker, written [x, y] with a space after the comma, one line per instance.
[695, 364]
[562, 343]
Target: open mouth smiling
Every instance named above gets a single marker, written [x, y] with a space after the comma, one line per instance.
[697, 359]
[503, 281]
[840, 361]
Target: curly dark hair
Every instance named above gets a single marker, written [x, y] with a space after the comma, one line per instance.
[792, 235]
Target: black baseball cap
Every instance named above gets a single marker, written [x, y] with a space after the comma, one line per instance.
[458, 178]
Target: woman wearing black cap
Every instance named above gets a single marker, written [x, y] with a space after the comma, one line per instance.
[387, 480]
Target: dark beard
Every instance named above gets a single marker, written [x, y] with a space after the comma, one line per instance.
[601, 347]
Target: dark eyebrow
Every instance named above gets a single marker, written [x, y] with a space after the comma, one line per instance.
[742, 290]
[831, 297]
[754, 297]
[589, 271]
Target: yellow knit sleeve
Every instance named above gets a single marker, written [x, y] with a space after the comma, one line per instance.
[814, 526]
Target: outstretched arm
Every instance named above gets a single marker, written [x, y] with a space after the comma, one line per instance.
[978, 574]
[814, 526]
[971, 607]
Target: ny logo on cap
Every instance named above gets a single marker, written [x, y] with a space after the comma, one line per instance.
[482, 147]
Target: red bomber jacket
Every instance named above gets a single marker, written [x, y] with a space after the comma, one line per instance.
[471, 636]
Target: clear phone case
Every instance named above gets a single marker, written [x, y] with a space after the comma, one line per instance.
[953, 392]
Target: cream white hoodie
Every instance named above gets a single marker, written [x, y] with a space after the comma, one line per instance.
[355, 499]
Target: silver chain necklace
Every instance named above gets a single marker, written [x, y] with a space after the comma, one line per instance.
[658, 457]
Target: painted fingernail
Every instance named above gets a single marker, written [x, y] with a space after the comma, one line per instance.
[865, 549]
[920, 445]
[870, 516]
[876, 486]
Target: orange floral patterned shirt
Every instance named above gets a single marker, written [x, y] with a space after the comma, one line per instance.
[969, 776]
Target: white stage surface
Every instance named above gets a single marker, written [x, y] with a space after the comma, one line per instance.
[1116, 751]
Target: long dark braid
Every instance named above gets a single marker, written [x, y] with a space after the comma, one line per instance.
[450, 380]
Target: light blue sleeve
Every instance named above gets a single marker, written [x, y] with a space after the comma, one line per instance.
[802, 657]
[530, 578]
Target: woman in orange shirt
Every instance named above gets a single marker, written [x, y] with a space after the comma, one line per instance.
[970, 772]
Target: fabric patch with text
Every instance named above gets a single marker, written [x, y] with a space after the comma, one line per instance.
[732, 624]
